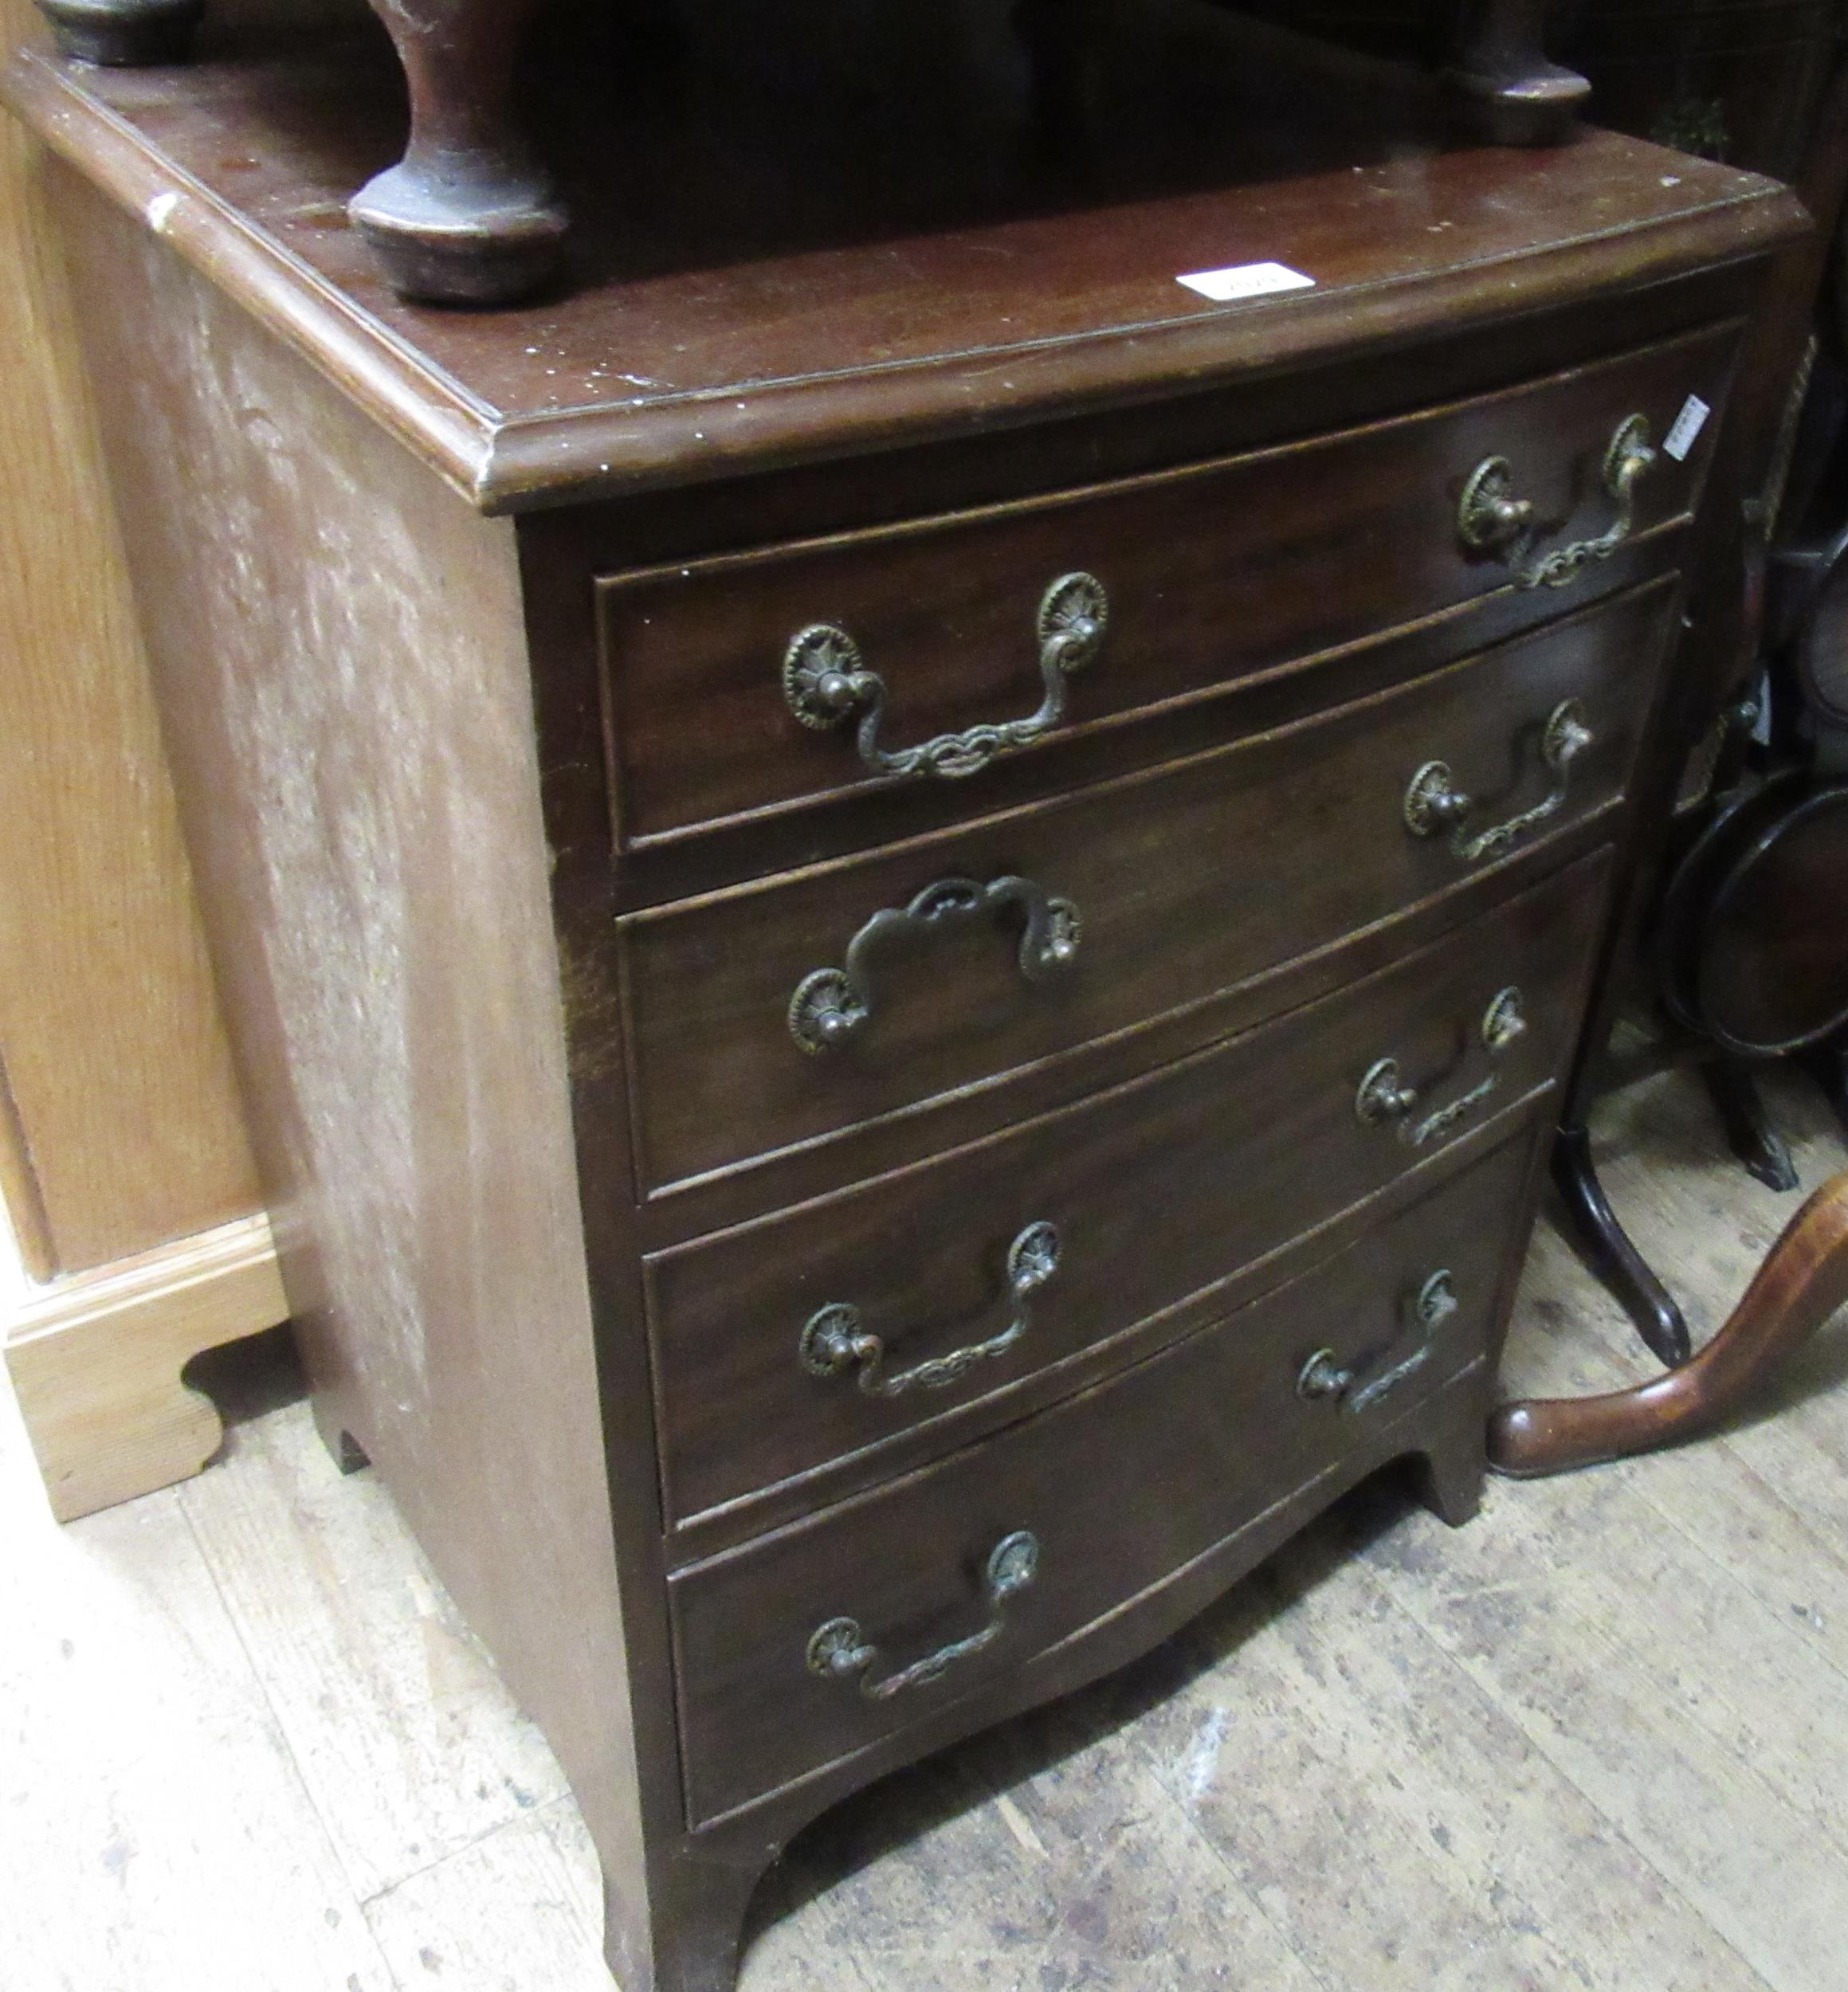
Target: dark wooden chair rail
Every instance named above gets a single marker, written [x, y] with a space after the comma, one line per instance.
[1798, 1289]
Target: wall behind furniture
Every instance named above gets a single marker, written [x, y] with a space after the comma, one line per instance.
[123, 1128]
[123, 1162]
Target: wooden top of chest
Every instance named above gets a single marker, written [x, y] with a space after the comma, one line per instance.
[783, 268]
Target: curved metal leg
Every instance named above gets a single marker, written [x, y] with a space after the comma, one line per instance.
[467, 216]
[1749, 1133]
[1798, 1288]
[1610, 1253]
[123, 34]
[1498, 68]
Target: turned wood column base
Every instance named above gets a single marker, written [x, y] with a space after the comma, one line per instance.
[1538, 104]
[1798, 1289]
[123, 34]
[482, 235]
[1509, 93]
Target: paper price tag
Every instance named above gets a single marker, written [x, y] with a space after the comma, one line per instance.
[1686, 432]
[1246, 280]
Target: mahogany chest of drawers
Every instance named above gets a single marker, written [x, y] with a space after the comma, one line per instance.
[901, 906]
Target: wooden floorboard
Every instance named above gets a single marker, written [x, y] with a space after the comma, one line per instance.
[388, 1706]
[155, 1832]
[1594, 1743]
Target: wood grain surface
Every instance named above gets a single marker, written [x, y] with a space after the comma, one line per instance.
[1798, 1291]
[125, 1130]
[758, 313]
[1201, 1440]
[1215, 573]
[1294, 839]
[412, 1126]
[1160, 1191]
[1471, 1737]
[96, 1360]
[392, 764]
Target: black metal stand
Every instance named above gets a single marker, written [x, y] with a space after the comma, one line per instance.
[1609, 1252]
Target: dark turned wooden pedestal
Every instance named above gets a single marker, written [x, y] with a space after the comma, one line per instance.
[471, 214]
[901, 905]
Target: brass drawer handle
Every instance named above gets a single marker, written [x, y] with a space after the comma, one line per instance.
[831, 1004]
[833, 1341]
[1383, 1100]
[1433, 804]
[826, 683]
[839, 1651]
[1324, 1376]
[1491, 520]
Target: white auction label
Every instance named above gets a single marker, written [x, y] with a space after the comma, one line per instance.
[1686, 432]
[1246, 280]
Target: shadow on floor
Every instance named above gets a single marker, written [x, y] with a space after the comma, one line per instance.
[248, 1379]
[901, 1808]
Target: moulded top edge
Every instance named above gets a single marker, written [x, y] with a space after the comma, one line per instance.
[673, 375]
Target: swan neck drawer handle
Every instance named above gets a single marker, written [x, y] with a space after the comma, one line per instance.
[834, 1340]
[1491, 520]
[826, 683]
[832, 1005]
[1324, 1377]
[1383, 1100]
[1435, 805]
[839, 1651]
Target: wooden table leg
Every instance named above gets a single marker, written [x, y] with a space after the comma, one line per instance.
[467, 216]
[1797, 1289]
[1498, 67]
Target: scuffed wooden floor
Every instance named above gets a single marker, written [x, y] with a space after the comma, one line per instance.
[1597, 1740]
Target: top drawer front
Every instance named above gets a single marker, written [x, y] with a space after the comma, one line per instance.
[778, 1013]
[1212, 573]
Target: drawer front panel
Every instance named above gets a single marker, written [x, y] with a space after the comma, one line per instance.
[1153, 1193]
[1210, 573]
[781, 1013]
[779, 1645]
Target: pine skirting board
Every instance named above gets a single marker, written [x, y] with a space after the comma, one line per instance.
[95, 1358]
